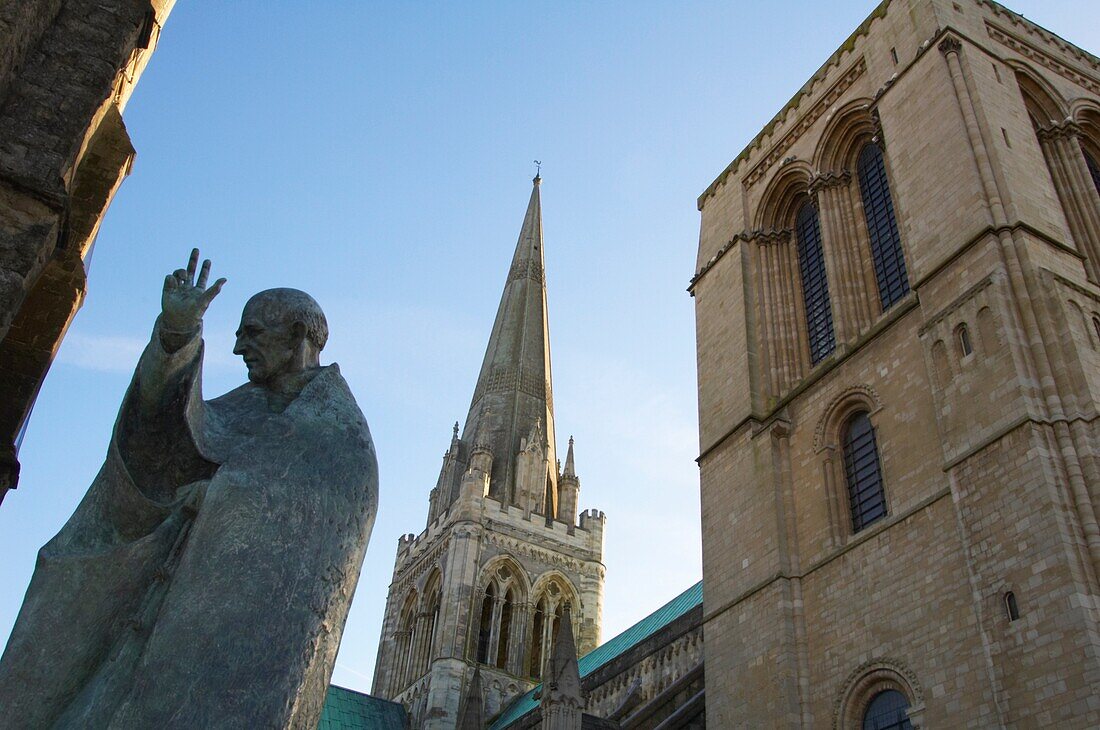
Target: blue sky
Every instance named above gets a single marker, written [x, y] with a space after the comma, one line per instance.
[379, 156]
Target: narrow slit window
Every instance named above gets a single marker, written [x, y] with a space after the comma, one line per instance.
[863, 472]
[1011, 607]
[882, 227]
[1096, 326]
[815, 284]
[962, 333]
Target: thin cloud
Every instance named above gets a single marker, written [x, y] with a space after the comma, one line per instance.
[102, 353]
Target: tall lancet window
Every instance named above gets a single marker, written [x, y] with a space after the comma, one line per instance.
[878, 209]
[863, 471]
[815, 285]
[485, 628]
[505, 630]
[538, 631]
[1094, 169]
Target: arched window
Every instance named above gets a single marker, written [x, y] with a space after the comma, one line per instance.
[861, 467]
[962, 334]
[1096, 326]
[434, 601]
[815, 285]
[406, 638]
[1012, 609]
[485, 628]
[505, 629]
[538, 630]
[878, 209]
[1094, 168]
[888, 710]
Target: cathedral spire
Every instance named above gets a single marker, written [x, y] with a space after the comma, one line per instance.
[515, 380]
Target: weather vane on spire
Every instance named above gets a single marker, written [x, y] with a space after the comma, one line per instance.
[538, 169]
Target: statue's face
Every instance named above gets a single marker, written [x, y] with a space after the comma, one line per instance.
[268, 347]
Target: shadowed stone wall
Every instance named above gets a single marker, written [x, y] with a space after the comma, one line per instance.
[67, 69]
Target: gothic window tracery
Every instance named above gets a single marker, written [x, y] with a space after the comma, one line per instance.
[500, 619]
[549, 608]
[485, 627]
[882, 227]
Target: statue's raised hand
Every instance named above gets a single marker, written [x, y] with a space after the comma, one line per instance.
[185, 299]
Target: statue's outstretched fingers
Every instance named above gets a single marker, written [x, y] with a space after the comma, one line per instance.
[204, 272]
[214, 290]
[170, 282]
[192, 265]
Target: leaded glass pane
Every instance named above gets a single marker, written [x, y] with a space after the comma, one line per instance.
[887, 711]
[878, 208]
[815, 285]
[863, 472]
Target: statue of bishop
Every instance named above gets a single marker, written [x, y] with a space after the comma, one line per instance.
[204, 579]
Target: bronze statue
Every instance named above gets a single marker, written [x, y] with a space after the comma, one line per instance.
[205, 578]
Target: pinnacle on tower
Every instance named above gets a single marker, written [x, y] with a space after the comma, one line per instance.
[469, 714]
[570, 468]
[562, 696]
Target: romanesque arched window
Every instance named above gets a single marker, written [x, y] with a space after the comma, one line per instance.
[815, 284]
[962, 337]
[882, 226]
[866, 497]
[888, 710]
[1094, 168]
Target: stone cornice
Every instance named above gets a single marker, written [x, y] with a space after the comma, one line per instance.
[1042, 35]
[411, 573]
[1059, 130]
[763, 237]
[1093, 295]
[1040, 56]
[775, 154]
[579, 565]
[956, 304]
[823, 180]
[797, 100]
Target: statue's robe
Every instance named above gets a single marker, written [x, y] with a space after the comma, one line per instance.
[204, 579]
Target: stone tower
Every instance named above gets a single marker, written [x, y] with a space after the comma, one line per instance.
[898, 328]
[503, 556]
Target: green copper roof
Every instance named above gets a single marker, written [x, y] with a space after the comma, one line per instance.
[607, 651]
[348, 710]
